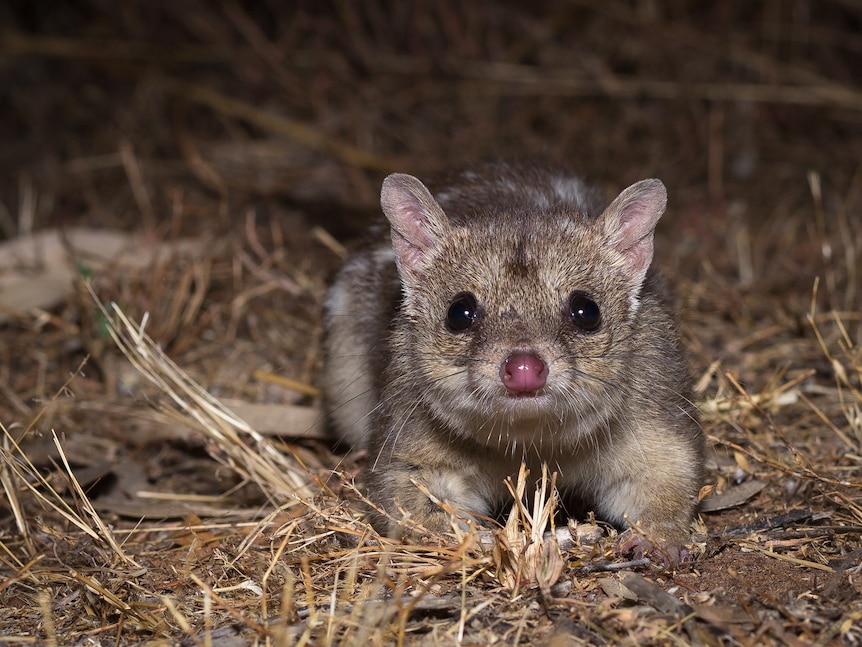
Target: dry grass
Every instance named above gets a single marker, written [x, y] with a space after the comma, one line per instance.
[164, 476]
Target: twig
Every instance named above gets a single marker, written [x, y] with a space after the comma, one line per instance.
[603, 565]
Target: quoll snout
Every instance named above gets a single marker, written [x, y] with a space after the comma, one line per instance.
[523, 373]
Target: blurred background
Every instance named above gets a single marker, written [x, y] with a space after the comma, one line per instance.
[307, 104]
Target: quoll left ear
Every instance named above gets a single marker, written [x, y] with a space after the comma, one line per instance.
[630, 220]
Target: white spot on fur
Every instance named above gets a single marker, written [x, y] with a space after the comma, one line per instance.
[569, 189]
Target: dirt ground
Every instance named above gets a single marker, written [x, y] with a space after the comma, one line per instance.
[194, 171]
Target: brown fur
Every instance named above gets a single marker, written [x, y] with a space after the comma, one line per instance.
[614, 419]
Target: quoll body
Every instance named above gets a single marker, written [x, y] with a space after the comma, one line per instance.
[510, 316]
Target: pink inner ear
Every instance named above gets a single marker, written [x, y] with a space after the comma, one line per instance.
[409, 256]
[635, 236]
[411, 225]
[635, 223]
[632, 218]
[417, 220]
[640, 254]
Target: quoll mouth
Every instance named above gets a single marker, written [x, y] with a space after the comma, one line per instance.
[524, 395]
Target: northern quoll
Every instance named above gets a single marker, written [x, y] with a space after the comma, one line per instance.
[511, 317]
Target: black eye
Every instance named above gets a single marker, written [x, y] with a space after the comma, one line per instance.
[462, 313]
[584, 312]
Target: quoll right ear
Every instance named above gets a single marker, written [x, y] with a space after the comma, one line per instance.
[418, 222]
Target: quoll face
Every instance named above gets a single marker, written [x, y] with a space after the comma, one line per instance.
[517, 328]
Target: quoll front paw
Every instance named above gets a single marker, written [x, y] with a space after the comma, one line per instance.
[667, 554]
[422, 519]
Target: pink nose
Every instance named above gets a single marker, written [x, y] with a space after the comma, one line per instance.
[523, 372]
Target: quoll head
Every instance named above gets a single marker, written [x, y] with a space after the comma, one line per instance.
[519, 313]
